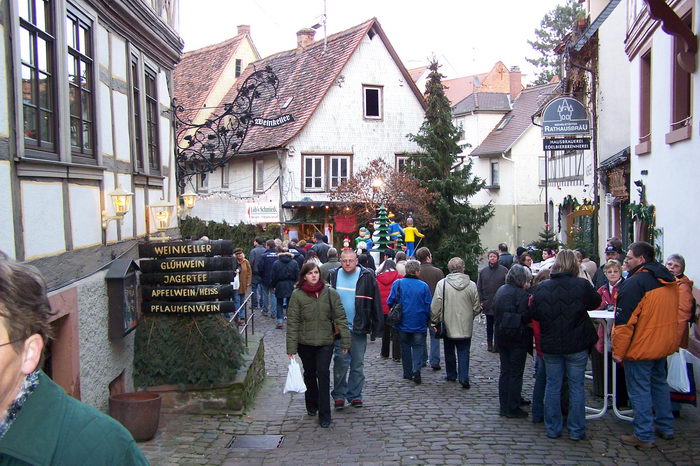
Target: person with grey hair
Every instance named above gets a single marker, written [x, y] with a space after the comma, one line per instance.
[455, 305]
[414, 296]
[490, 280]
[32, 406]
[332, 264]
[513, 336]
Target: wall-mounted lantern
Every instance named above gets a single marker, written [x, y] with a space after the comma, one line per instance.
[189, 199]
[121, 202]
[161, 213]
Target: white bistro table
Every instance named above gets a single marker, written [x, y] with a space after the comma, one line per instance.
[609, 396]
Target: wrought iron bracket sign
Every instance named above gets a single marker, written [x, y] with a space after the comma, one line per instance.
[565, 116]
[204, 147]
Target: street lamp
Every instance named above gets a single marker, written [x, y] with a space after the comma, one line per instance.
[121, 203]
[189, 199]
[161, 213]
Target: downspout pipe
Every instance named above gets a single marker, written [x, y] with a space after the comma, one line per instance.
[516, 236]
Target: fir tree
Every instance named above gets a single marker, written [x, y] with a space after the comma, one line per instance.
[547, 240]
[382, 230]
[438, 169]
[553, 29]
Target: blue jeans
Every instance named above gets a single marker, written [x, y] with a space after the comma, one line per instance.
[412, 349]
[257, 290]
[237, 301]
[462, 347]
[281, 309]
[649, 394]
[538, 391]
[574, 365]
[348, 386]
[269, 300]
[434, 358]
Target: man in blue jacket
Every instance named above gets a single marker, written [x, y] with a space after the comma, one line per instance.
[267, 259]
[359, 294]
[40, 423]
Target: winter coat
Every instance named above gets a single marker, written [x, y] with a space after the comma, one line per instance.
[491, 278]
[506, 260]
[561, 306]
[310, 320]
[430, 275]
[285, 272]
[512, 317]
[54, 428]
[298, 257]
[321, 251]
[245, 275]
[685, 308]
[327, 267]
[369, 317]
[265, 266]
[415, 298]
[254, 258]
[607, 297]
[385, 280]
[461, 304]
[646, 320]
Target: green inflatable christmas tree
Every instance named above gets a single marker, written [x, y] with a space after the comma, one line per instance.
[382, 231]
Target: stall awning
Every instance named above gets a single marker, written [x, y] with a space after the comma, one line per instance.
[615, 160]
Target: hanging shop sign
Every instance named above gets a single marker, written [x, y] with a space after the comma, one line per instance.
[187, 277]
[565, 116]
[566, 143]
[186, 249]
[263, 213]
[273, 122]
[345, 223]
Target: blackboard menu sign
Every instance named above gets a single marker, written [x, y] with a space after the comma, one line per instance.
[187, 277]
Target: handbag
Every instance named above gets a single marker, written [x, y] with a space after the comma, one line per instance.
[295, 381]
[441, 327]
[396, 313]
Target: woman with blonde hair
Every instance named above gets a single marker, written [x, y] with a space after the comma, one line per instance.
[561, 306]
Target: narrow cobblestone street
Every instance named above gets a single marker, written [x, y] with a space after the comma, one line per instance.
[437, 422]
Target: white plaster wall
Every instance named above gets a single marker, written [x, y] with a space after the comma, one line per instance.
[105, 126]
[128, 222]
[338, 126]
[122, 147]
[476, 127]
[102, 45]
[107, 187]
[140, 211]
[671, 185]
[85, 215]
[118, 57]
[4, 113]
[7, 231]
[163, 91]
[42, 219]
[101, 360]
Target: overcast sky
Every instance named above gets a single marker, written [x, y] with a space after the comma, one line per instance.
[470, 35]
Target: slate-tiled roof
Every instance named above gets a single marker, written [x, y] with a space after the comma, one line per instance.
[458, 89]
[199, 70]
[527, 104]
[483, 101]
[305, 76]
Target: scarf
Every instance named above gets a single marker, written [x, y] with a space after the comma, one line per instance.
[28, 386]
[312, 290]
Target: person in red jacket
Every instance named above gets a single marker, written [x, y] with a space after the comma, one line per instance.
[385, 279]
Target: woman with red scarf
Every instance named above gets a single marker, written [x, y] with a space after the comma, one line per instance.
[315, 318]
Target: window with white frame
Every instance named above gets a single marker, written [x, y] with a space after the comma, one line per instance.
[224, 176]
[259, 176]
[372, 105]
[313, 172]
[203, 182]
[495, 173]
[339, 170]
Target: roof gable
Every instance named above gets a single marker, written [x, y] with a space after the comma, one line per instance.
[483, 101]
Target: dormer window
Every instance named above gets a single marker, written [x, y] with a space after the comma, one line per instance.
[372, 104]
[504, 122]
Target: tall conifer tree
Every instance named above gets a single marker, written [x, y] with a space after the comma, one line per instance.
[442, 173]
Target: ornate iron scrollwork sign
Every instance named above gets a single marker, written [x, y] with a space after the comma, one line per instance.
[204, 147]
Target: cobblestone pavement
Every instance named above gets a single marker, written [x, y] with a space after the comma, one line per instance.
[437, 422]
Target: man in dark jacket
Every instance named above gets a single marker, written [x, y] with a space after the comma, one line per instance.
[333, 263]
[285, 273]
[645, 333]
[254, 257]
[613, 251]
[264, 265]
[298, 254]
[504, 257]
[359, 294]
[41, 423]
[320, 247]
[430, 275]
[491, 278]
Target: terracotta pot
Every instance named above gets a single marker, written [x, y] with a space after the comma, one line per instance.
[139, 412]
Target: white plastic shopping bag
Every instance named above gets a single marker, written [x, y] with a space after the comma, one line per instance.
[677, 377]
[295, 382]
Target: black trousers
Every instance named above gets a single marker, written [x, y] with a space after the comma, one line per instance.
[317, 377]
[489, 328]
[390, 338]
[510, 382]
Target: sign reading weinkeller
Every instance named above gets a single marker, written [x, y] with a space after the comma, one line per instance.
[565, 116]
[187, 277]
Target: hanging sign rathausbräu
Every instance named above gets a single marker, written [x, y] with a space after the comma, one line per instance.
[565, 116]
[566, 143]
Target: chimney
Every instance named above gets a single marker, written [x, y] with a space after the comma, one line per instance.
[243, 29]
[305, 37]
[516, 85]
